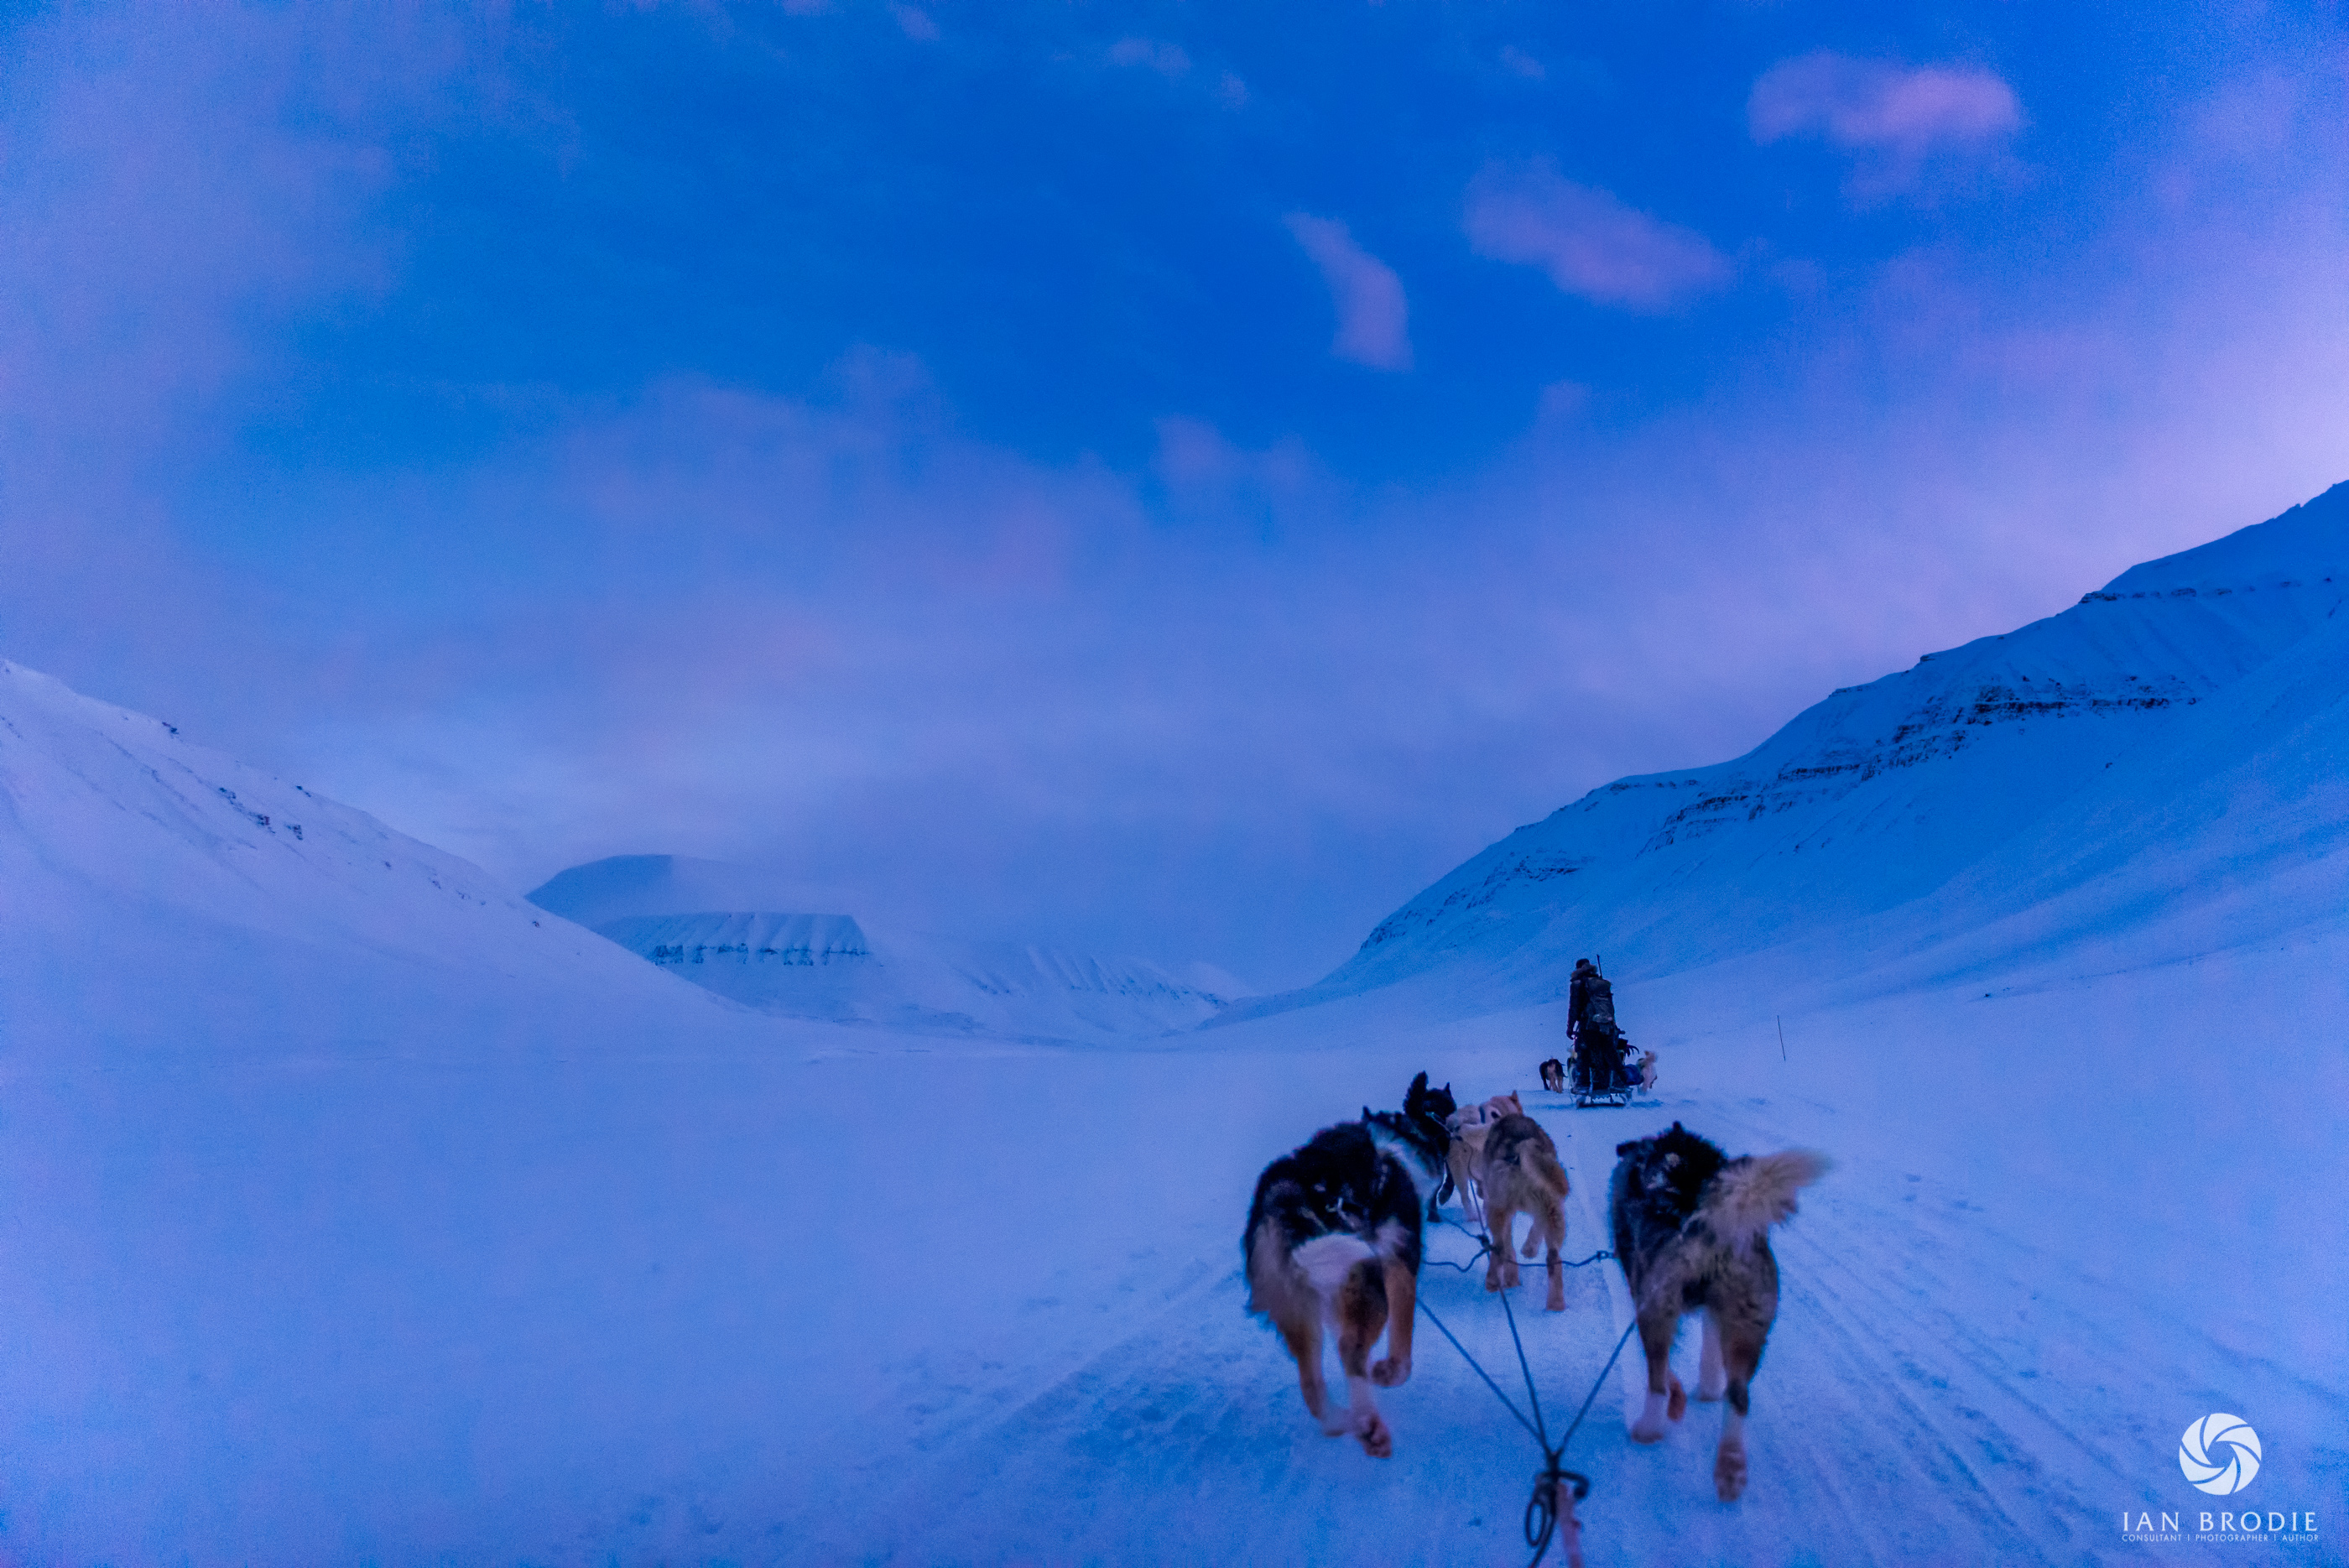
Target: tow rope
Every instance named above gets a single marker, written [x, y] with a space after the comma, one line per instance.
[1543, 1509]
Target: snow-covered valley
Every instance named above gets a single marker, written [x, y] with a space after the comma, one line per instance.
[355, 1210]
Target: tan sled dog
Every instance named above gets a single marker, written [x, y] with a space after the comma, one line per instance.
[1520, 1173]
[1468, 1127]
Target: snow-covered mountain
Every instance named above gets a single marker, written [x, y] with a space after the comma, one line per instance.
[718, 926]
[119, 836]
[2172, 752]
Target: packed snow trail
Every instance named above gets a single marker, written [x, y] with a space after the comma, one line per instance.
[787, 1298]
[1952, 1378]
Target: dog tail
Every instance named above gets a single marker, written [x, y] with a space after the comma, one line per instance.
[1752, 1194]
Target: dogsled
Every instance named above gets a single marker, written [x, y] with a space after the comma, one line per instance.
[1600, 1075]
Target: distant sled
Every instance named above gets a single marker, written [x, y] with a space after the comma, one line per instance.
[1602, 1086]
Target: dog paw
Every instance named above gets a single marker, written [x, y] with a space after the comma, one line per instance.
[1557, 1302]
[1729, 1473]
[1647, 1430]
[1678, 1406]
[1377, 1440]
[1533, 1245]
[1391, 1372]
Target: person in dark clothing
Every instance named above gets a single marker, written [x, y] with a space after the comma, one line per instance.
[1578, 997]
[1591, 1022]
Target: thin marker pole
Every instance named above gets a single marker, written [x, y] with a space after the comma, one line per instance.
[1782, 1039]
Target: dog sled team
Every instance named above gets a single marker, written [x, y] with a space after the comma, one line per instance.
[1335, 1235]
[1601, 1074]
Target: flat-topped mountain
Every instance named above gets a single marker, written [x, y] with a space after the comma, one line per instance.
[726, 928]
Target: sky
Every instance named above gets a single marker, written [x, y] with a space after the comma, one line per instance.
[1167, 480]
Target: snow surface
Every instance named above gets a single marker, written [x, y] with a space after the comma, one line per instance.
[354, 1210]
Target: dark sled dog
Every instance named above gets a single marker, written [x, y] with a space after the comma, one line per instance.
[1553, 1075]
[1334, 1240]
[1692, 1230]
[1421, 1136]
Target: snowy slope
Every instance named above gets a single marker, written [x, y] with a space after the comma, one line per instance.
[705, 921]
[2000, 775]
[114, 799]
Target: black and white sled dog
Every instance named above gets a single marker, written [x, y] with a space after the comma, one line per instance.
[1334, 1240]
[1692, 1231]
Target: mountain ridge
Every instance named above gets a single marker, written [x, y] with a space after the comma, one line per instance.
[1877, 795]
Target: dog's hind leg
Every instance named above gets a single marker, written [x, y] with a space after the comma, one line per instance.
[1741, 1355]
[1552, 1225]
[1658, 1327]
[1362, 1316]
[1303, 1338]
[1729, 1462]
[1710, 1378]
[1500, 1263]
[1403, 1316]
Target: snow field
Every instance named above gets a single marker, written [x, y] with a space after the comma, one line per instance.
[758, 1292]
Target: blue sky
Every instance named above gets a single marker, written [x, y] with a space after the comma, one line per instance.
[1168, 479]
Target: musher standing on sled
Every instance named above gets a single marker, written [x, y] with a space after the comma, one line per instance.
[1590, 1022]
[1578, 998]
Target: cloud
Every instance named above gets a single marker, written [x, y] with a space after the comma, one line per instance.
[1168, 60]
[1895, 117]
[1373, 324]
[1590, 244]
[1225, 695]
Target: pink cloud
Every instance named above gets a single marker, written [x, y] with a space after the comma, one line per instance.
[1590, 244]
[1373, 318]
[1875, 105]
